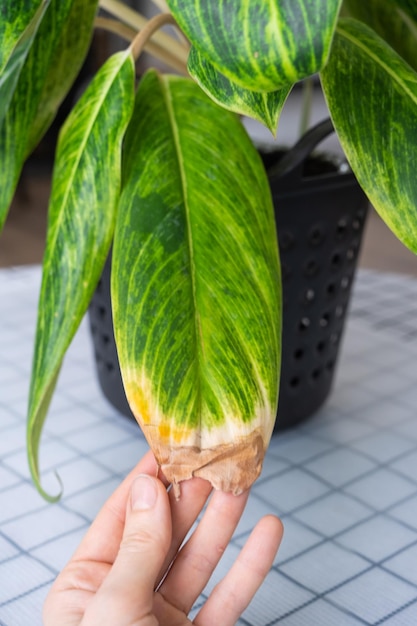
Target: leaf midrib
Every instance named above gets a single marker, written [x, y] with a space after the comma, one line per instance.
[70, 179]
[69, 190]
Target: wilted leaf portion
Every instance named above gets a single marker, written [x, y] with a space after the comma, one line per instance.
[195, 286]
[85, 192]
[260, 105]
[260, 44]
[372, 97]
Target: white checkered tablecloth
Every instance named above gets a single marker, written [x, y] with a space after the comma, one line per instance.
[344, 483]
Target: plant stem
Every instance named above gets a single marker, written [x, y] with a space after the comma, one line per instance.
[164, 8]
[153, 25]
[173, 47]
[116, 27]
[307, 98]
[129, 34]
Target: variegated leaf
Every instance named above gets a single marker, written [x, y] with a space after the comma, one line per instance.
[260, 105]
[390, 22]
[85, 192]
[372, 96]
[44, 71]
[16, 17]
[65, 61]
[260, 44]
[195, 286]
[18, 28]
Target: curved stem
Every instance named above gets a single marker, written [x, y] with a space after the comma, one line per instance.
[129, 34]
[173, 47]
[153, 25]
[116, 27]
[164, 8]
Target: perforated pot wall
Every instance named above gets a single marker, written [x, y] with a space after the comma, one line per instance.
[320, 226]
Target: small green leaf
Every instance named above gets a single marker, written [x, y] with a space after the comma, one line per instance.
[262, 106]
[260, 44]
[49, 68]
[372, 97]
[85, 192]
[17, 31]
[390, 22]
[196, 284]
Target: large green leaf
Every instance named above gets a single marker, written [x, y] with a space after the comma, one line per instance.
[48, 67]
[372, 96]
[18, 28]
[16, 18]
[64, 65]
[390, 22]
[260, 44]
[409, 6]
[260, 105]
[195, 286]
[85, 192]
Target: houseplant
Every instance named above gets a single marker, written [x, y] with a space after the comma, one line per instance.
[320, 213]
[203, 384]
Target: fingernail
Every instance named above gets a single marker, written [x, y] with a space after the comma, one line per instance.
[143, 494]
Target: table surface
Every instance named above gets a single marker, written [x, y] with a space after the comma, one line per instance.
[344, 483]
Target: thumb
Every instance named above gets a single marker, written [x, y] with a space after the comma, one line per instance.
[126, 596]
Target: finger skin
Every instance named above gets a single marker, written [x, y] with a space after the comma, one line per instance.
[92, 591]
[126, 596]
[72, 592]
[102, 540]
[197, 560]
[194, 494]
[234, 593]
[80, 579]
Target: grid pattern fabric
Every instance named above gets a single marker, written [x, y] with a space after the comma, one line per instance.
[344, 482]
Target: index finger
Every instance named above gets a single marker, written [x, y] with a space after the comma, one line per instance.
[102, 540]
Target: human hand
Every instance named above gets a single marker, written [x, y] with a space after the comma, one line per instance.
[124, 572]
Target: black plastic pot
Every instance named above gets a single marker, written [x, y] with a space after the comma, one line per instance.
[320, 211]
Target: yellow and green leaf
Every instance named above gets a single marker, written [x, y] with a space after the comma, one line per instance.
[263, 106]
[17, 16]
[18, 26]
[50, 67]
[372, 97]
[65, 61]
[196, 286]
[82, 210]
[261, 45]
[389, 19]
